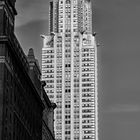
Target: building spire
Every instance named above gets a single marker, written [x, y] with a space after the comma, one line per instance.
[31, 54]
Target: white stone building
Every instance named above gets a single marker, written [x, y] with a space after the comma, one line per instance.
[69, 67]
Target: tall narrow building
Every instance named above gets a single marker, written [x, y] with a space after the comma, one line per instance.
[69, 67]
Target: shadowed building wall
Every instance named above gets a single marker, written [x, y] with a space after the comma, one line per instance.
[21, 107]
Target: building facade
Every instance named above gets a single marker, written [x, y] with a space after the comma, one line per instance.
[69, 67]
[48, 116]
[21, 107]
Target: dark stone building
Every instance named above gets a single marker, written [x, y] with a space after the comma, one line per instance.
[21, 107]
[48, 112]
[34, 72]
[48, 116]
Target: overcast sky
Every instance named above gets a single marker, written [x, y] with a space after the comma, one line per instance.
[117, 23]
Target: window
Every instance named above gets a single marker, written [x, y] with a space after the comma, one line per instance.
[67, 106]
[67, 1]
[67, 116]
[67, 132]
[67, 90]
[67, 122]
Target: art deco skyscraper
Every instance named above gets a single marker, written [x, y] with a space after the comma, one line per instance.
[69, 67]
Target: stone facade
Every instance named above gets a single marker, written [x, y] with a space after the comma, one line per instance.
[21, 107]
[48, 117]
[69, 67]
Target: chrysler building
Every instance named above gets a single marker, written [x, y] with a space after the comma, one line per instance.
[69, 67]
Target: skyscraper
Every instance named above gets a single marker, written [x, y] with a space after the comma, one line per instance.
[69, 67]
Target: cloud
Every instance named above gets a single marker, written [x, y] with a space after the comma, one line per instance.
[31, 11]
